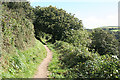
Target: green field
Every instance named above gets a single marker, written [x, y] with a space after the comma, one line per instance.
[115, 30]
[111, 28]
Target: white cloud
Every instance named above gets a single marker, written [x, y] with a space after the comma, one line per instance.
[94, 21]
[90, 21]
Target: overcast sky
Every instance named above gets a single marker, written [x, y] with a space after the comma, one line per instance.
[93, 13]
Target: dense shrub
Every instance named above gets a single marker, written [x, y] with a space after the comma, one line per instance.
[104, 43]
[17, 31]
[78, 37]
[78, 62]
[72, 53]
[101, 67]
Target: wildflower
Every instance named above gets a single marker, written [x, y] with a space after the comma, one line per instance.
[114, 56]
[117, 71]
[102, 61]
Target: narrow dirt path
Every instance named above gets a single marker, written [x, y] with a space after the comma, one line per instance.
[42, 69]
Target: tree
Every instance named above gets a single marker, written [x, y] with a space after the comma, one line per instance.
[103, 42]
[55, 21]
[77, 37]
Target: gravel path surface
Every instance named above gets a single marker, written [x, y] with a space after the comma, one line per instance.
[42, 69]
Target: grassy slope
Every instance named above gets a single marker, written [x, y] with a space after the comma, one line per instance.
[23, 64]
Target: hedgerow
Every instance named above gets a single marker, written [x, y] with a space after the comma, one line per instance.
[80, 63]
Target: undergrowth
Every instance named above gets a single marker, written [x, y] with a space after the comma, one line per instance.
[74, 62]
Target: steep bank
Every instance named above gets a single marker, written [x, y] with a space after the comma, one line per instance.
[21, 52]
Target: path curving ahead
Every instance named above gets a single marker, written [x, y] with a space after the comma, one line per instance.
[43, 67]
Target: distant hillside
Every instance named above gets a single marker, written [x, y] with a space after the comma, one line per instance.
[111, 28]
[108, 28]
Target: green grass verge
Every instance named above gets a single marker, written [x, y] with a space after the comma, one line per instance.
[54, 67]
[23, 64]
[115, 30]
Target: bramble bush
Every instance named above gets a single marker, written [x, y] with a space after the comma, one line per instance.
[102, 67]
[72, 53]
[78, 62]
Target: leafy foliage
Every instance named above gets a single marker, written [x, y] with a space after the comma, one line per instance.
[55, 21]
[17, 31]
[78, 37]
[19, 48]
[23, 8]
[101, 67]
[117, 35]
[104, 42]
[67, 51]
[80, 63]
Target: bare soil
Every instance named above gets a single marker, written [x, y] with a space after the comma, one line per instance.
[42, 71]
